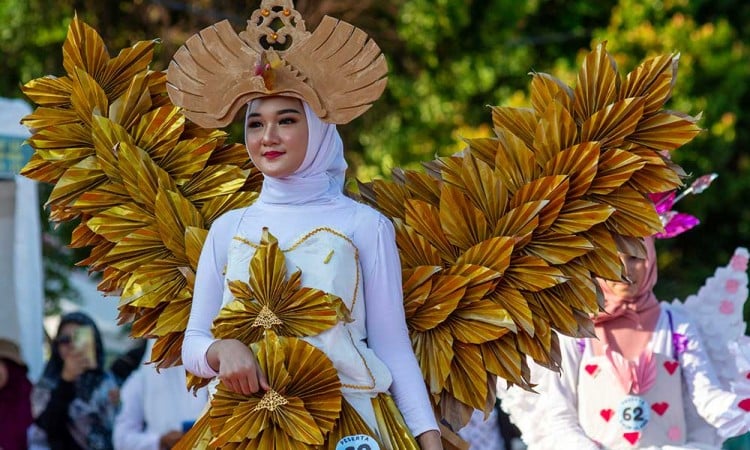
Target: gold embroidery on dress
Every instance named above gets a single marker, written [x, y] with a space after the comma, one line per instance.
[364, 361]
[266, 319]
[308, 236]
[270, 401]
[328, 257]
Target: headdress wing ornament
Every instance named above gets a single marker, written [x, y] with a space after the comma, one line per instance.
[337, 70]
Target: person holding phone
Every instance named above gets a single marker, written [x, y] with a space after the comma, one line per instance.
[75, 401]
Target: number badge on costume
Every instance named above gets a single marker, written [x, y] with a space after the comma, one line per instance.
[633, 413]
[357, 442]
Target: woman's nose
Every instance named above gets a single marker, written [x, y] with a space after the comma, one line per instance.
[270, 135]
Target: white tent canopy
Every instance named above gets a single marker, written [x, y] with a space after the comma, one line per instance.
[21, 274]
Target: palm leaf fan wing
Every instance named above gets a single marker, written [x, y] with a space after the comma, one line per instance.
[144, 183]
[502, 246]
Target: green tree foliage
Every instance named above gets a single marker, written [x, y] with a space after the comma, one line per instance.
[714, 76]
[450, 58]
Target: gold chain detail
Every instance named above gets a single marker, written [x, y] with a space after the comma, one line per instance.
[364, 361]
[270, 401]
[308, 236]
[266, 319]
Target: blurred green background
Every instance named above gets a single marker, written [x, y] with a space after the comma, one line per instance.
[448, 60]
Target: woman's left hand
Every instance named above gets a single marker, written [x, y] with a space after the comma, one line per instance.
[430, 440]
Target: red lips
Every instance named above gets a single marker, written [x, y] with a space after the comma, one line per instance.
[272, 154]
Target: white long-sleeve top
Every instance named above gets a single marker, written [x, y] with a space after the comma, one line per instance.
[374, 237]
[703, 397]
[153, 404]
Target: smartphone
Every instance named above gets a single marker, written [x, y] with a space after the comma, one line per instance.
[83, 339]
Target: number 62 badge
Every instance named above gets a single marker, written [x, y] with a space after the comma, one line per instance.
[633, 413]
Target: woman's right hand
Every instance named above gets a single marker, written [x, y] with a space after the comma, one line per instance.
[237, 366]
[74, 364]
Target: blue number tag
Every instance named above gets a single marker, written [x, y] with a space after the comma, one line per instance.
[357, 442]
[633, 413]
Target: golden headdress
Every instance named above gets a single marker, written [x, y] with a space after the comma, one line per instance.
[337, 69]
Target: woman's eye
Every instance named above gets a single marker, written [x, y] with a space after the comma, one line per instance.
[254, 124]
[288, 121]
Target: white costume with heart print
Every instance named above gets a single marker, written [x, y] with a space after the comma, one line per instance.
[619, 420]
[705, 332]
[576, 404]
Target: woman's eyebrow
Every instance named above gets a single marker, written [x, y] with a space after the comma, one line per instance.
[288, 111]
[278, 113]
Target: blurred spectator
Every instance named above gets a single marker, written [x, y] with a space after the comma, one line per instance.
[483, 434]
[75, 402]
[156, 409]
[15, 393]
[126, 363]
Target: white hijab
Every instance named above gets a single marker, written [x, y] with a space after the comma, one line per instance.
[320, 177]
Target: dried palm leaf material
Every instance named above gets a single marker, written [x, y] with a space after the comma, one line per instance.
[269, 300]
[499, 244]
[198, 436]
[297, 412]
[145, 182]
[393, 430]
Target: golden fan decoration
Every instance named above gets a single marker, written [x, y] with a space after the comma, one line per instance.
[299, 410]
[145, 183]
[499, 244]
[270, 301]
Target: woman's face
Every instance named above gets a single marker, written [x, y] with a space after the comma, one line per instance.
[64, 340]
[276, 135]
[636, 271]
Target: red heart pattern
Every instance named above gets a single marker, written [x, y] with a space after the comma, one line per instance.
[606, 414]
[660, 408]
[591, 369]
[671, 366]
[632, 437]
[744, 404]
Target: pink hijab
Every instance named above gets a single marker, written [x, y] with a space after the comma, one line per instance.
[637, 307]
[630, 321]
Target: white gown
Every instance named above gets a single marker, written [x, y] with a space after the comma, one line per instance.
[368, 352]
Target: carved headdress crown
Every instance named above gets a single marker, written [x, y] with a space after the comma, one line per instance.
[336, 69]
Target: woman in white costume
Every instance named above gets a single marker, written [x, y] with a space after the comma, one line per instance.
[303, 205]
[646, 383]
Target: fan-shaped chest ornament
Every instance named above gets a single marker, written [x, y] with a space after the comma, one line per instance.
[338, 70]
